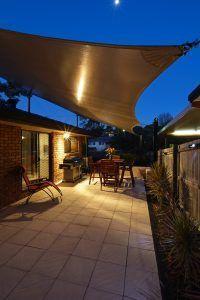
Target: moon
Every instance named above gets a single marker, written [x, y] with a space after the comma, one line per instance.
[117, 2]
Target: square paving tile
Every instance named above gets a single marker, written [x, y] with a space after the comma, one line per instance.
[120, 225]
[22, 237]
[100, 223]
[141, 283]
[55, 227]
[80, 203]
[86, 248]
[65, 218]
[140, 259]
[7, 231]
[95, 234]
[32, 287]
[141, 218]
[141, 241]
[124, 216]
[50, 264]
[93, 294]
[25, 258]
[108, 277]
[113, 253]
[82, 220]
[63, 290]
[105, 214]
[74, 230]
[74, 210]
[77, 270]
[9, 278]
[43, 240]
[8, 250]
[109, 206]
[94, 204]
[65, 245]
[141, 228]
[37, 224]
[17, 220]
[48, 216]
[123, 208]
[91, 212]
[117, 237]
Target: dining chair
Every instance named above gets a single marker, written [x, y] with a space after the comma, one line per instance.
[93, 169]
[109, 173]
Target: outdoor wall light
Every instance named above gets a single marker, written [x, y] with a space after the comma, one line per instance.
[192, 146]
[66, 135]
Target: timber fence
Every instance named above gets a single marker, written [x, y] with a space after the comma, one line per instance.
[183, 162]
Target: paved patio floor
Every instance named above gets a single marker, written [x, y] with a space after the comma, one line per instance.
[95, 245]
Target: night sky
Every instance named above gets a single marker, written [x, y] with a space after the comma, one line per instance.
[133, 22]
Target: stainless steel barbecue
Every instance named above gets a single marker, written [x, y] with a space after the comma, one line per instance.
[71, 169]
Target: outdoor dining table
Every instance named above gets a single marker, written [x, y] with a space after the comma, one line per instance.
[124, 167]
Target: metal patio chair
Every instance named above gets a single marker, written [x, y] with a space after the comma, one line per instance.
[39, 185]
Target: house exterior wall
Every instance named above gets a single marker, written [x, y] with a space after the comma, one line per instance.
[10, 158]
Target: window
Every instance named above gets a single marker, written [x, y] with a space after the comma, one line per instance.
[71, 145]
[35, 154]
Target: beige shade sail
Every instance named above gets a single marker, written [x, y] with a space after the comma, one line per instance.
[102, 82]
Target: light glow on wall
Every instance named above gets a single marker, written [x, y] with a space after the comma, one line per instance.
[187, 132]
[66, 135]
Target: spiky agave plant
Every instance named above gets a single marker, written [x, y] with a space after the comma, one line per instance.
[158, 184]
[182, 243]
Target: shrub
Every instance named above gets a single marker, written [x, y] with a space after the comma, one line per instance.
[181, 240]
[158, 184]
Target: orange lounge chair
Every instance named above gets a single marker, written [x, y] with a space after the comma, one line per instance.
[42, 185]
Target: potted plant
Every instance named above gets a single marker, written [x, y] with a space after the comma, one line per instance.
[110, 151]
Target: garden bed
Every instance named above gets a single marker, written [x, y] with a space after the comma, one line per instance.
[171, 284]
[165, 282]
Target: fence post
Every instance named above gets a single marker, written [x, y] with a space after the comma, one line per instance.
[175, 170]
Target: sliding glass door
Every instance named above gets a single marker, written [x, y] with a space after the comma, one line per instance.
[35, 154]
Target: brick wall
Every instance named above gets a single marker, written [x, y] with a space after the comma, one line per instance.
[57, 156]
[10, 158]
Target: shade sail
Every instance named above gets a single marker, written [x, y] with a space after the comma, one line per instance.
[102, 82]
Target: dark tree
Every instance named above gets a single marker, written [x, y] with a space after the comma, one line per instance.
[164, 118]
[96, 128]
[12, 91]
